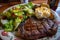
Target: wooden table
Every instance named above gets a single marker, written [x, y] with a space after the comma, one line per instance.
[6, 5]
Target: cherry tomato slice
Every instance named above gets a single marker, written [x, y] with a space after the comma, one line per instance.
[20, 17]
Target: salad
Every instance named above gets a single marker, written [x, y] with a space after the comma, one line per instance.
[17, 15]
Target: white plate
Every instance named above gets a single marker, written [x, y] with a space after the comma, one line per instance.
[12, 37]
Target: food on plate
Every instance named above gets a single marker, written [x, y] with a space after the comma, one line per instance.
[4, 33]
[29, 21]
[45, 5]
[51, 16]
[34, 28]
[42, 11]
[16, 15]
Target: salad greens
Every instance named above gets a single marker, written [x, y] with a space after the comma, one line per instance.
[30, 5]
[28, 10]
[17, 22]
[8, 26]
[20, 13]
[16, 15]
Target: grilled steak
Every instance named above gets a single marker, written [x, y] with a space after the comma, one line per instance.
[33, 28]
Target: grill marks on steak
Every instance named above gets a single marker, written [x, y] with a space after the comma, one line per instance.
[34, 28]
[31, 26]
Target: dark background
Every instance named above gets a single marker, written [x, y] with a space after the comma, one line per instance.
[7, 1]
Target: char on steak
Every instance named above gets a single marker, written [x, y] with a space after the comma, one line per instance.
[33, 28]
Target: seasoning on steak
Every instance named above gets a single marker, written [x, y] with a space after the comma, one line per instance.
[34, 29]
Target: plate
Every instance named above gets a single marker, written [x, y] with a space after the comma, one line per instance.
[10, 35]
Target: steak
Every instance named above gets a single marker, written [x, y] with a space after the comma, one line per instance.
[33, 28]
